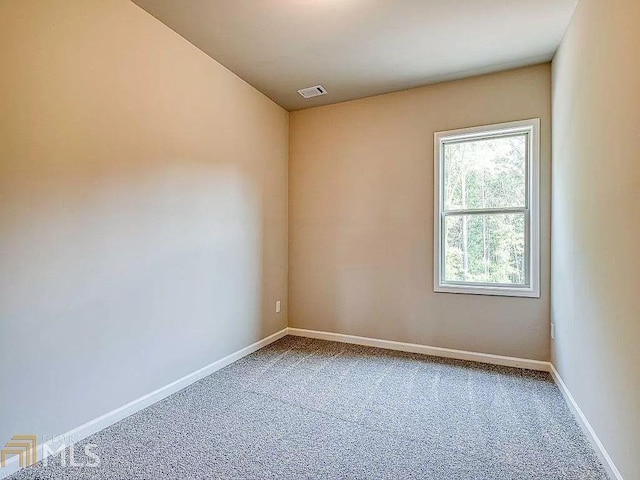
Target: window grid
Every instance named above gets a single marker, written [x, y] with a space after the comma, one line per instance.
[530, 287]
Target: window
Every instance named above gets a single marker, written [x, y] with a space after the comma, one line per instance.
[486, 210]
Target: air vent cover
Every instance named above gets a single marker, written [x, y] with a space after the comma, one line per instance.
[312, 91]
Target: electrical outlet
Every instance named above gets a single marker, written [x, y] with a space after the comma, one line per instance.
[278, 306]
[553, 331]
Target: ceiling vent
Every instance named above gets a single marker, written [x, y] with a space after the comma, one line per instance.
[312, 91]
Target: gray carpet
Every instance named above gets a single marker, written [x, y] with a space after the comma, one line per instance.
[310, 409]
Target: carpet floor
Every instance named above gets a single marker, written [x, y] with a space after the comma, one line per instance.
[312, 409]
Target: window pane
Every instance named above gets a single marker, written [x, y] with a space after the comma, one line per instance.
[488, 173]
[485, 248]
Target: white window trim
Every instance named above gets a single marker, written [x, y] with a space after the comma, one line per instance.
[532, 220]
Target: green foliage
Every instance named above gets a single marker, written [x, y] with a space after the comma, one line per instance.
[489, 173]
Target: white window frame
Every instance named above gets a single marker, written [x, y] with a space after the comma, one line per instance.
[532, 209]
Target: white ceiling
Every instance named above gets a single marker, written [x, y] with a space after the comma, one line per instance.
[358, 48]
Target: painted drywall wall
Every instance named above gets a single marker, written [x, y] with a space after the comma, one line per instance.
[596, 215]
[361, 217]
[143, 211]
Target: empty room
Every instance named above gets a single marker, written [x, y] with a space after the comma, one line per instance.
[320, 239]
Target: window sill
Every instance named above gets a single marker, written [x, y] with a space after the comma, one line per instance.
[487, 290]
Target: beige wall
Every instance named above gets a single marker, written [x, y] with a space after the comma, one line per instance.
[596, 229]
[143, 211]
[361, 217]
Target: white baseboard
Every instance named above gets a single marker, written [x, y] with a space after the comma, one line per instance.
[613, 472]
[425, 350]
[108, 419]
